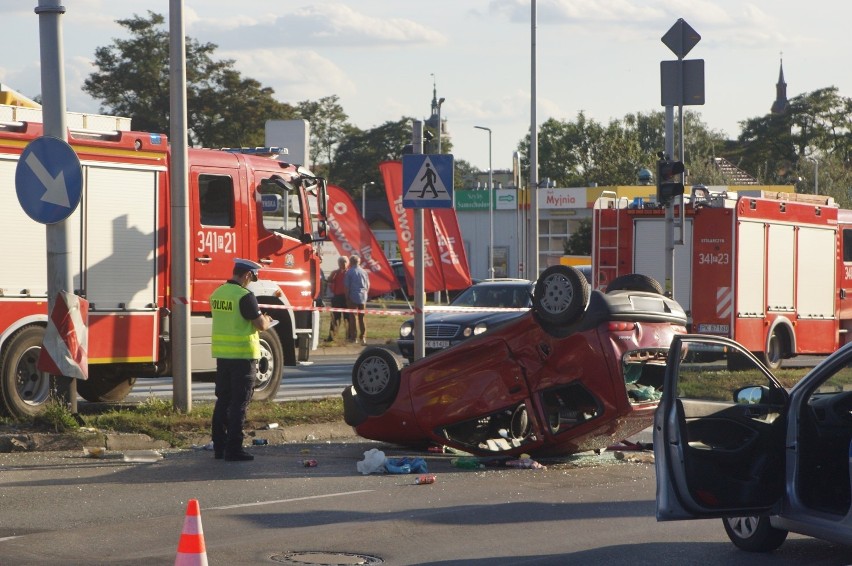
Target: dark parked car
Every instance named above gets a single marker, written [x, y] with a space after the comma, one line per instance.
[472, 312]
[576, 372]
[735, 444]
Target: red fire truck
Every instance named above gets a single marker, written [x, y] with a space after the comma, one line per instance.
[243, 203]
[770, 270]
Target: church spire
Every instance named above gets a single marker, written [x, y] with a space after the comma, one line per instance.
[780, 104]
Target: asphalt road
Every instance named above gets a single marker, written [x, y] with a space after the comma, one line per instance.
[325, 376]
[62, 508]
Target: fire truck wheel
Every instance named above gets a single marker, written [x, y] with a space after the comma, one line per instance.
[774, 355]
[376, 375]
[635, 282]
[25, 388]
[102, 387]
[270, 369]
[561, 295]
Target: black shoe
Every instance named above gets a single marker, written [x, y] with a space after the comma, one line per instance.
[241, 456]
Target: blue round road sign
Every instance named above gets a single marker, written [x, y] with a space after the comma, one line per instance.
[49, 180]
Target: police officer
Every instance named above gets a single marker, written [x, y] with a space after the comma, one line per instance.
[236, 347]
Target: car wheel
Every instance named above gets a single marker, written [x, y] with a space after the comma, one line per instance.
[561, 294]
[635, 282]
[753, 534]
[376, 375]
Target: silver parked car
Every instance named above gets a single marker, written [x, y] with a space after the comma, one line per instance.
[730, 442]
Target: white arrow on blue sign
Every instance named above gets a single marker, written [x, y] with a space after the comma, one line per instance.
[49, 180]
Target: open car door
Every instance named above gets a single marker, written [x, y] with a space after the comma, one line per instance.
[719, 432]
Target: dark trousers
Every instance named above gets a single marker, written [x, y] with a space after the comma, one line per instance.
[337, 318]
[234, 388]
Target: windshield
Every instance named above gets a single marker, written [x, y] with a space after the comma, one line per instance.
[495, 296]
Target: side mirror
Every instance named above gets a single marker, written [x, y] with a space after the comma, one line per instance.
[322, 231]
[751, 395]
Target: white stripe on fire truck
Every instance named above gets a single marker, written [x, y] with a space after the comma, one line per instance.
[724, 302]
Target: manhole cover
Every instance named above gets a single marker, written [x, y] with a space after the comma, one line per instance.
[325, 558]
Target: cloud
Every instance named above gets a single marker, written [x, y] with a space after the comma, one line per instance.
[320, 26]
[295, 74]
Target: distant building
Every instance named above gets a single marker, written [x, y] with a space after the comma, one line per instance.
[781, 104]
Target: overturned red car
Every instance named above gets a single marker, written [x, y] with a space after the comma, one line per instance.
[581, 370]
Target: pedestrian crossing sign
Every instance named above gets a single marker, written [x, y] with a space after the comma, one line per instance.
[427, 181]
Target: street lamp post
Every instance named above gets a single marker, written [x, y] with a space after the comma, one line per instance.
[490, 206]
[364, 198]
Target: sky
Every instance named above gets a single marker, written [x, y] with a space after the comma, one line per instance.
[382, 57]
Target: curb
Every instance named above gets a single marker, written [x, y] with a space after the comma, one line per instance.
[84, 439]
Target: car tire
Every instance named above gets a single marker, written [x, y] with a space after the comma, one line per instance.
[635, 282]
[376, 375]
[560, 295]
[753, 534]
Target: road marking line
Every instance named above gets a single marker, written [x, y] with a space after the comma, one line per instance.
[257, 504]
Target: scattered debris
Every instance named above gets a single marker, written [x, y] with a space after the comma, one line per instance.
[94, 451]
[525, 463]
[374, 461]
[405, 465]
[142, 456]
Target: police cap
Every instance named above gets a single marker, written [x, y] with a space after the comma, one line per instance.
[243, 265]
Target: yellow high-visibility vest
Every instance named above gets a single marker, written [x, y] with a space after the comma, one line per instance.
[234, 337]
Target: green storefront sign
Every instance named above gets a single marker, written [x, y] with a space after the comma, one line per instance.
[478, 200]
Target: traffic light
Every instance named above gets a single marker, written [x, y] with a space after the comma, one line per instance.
[669, 179]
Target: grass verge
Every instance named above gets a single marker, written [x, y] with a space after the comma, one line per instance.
[158, 419]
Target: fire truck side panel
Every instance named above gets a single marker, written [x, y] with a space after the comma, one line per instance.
[120, 238]
[649, 257]
[816, 258]
[751, 270]
[781, 269]
[24, 240]
[844, 275]
[816, 296]
[713, 266]
[118, 337]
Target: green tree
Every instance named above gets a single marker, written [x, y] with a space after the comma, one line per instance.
[329, 126]
[584, 151]
[358, 155]
[223, 108]
[780, 149]
[580, 241]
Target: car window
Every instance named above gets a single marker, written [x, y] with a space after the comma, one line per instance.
[494, 296]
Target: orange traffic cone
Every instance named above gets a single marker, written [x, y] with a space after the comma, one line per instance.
[191, 551]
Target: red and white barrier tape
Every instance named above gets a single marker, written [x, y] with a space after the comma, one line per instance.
[426, 310]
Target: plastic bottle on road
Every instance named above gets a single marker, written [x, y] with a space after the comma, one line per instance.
[467, 463]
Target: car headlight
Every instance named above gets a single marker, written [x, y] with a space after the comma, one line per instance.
[480, 328]
[406, 329]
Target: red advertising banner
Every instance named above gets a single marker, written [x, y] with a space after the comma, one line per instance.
[452, 256]
[403, 221]
[351, 235]
[444, 263]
